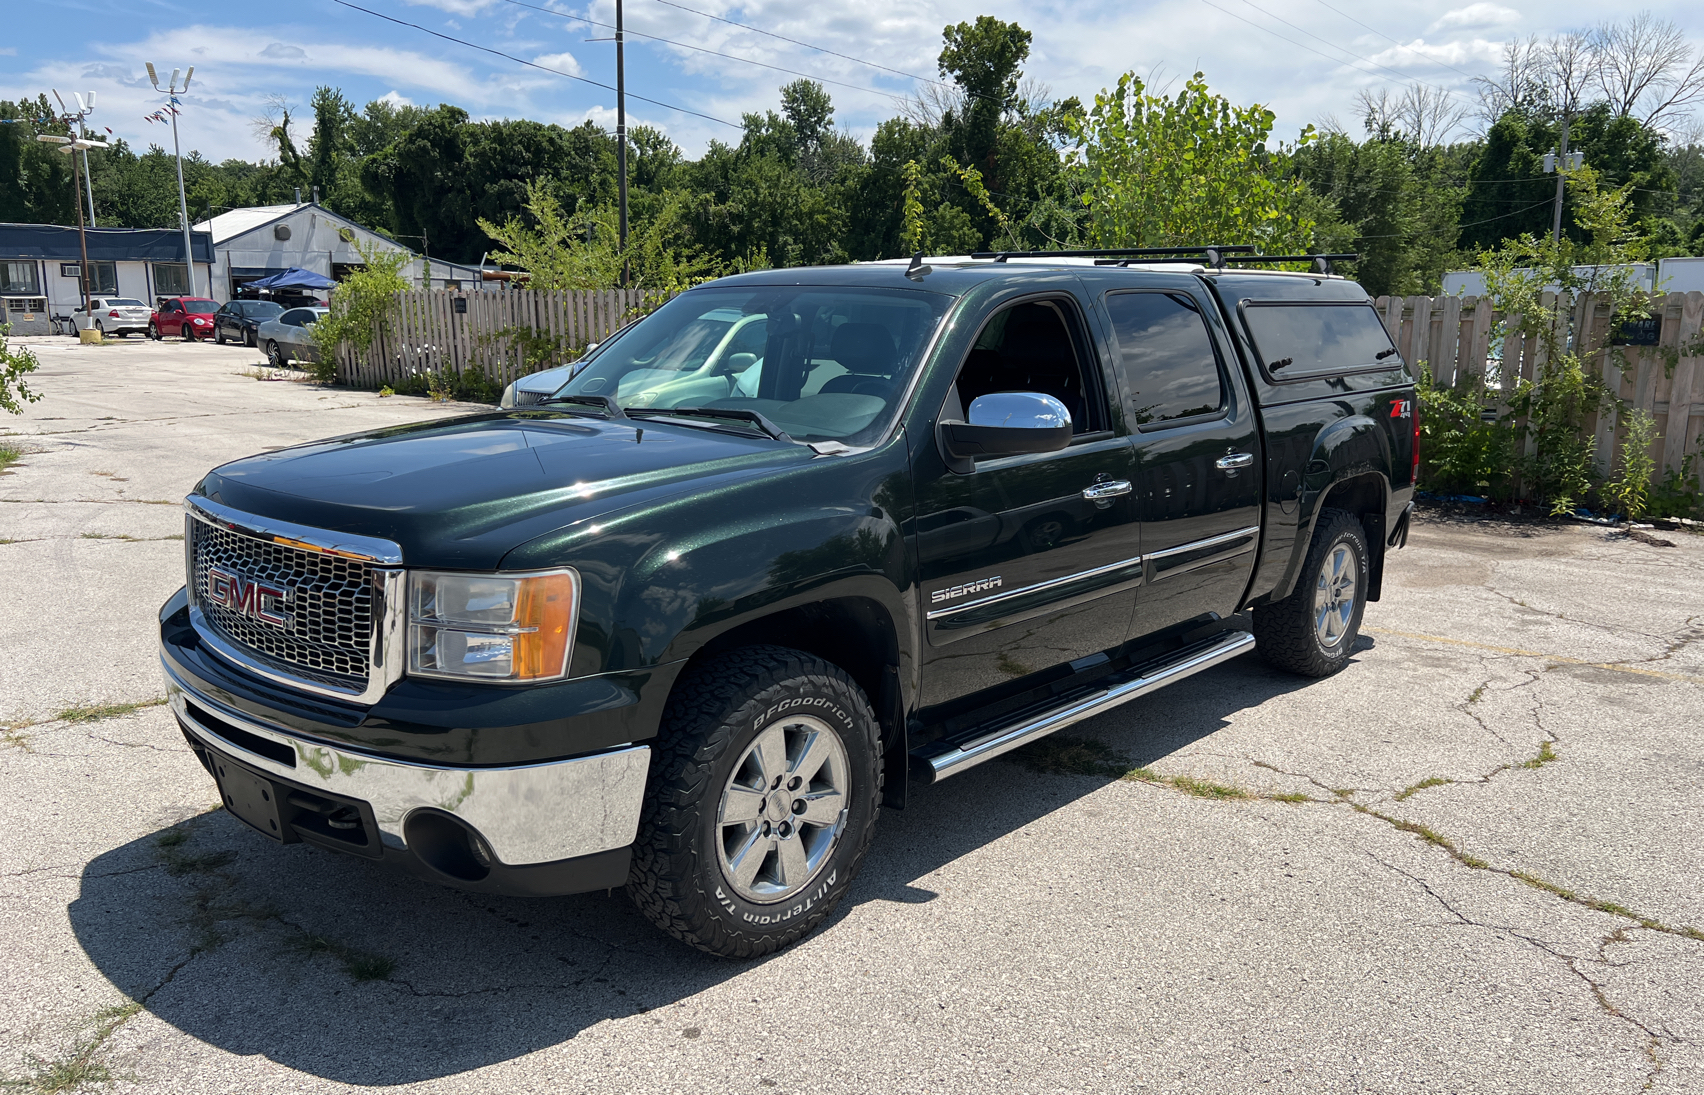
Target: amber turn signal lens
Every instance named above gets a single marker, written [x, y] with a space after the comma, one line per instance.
[545, 607]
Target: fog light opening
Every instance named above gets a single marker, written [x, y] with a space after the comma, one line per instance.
[448, 845]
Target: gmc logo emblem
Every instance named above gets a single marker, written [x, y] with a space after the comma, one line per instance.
[247, 597]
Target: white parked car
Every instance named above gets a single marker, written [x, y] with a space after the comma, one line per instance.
[116, 315]
[716, 356]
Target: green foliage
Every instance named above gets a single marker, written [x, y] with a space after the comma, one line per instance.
[562, 251]
[470, 386]
[1677, 494]
[1459, 450]
[1630, 491]
[911, 234]
[1190, 169]
[1561, 466]
[14, 363]
[362, 304]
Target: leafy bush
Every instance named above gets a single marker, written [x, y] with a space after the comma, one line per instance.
[14, 393]
[361, 305]
[1459, 450]
[1630, 492]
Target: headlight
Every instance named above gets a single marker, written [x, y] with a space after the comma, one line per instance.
[199, 322]
[493, 627]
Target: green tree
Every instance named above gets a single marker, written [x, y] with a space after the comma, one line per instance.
[1189, 170]
[35, 180]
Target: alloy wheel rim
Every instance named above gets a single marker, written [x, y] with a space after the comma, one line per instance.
[783, 809]
[1334, 596]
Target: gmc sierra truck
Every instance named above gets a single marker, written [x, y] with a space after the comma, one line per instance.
[791, 544]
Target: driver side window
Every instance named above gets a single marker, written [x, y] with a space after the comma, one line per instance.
[1035, 346]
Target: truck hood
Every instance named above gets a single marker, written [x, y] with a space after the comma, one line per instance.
[462, 492]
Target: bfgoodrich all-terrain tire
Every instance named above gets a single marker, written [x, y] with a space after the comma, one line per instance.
[1313, 630]
[763, 794]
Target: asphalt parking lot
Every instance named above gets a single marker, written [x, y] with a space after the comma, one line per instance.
[1471, 862]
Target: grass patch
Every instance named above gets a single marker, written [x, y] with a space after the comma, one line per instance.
[179, 861]
[1473, 697]
[1072, 757]
[1416, 788]
[83, 1065]
[1202, 788]
[1293, 796]
[1545, 755]
[359, 965]
[96, 712]
[9, 454]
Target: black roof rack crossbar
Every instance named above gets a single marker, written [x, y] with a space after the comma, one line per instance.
[1291, 258]
[1110, 252]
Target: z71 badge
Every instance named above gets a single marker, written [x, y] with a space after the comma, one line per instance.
[964, 590]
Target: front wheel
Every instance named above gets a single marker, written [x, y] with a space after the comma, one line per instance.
[218, 335]
[274, 356]
[764, 789]
[153, 332]
[1313, 630]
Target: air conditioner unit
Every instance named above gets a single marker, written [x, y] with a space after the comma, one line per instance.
[280, 231]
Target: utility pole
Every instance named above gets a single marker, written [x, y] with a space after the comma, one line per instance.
[172, 91]
[621, 138]
[71, 146]
[1561, 164]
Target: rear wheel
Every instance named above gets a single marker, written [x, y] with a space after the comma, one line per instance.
[764, 789]
[218, 335]
[1313, 630]
[248, 337]
[276, 357]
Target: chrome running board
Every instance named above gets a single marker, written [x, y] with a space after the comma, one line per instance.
[1147, 678]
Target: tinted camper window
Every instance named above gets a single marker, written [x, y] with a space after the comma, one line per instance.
[1296, 340]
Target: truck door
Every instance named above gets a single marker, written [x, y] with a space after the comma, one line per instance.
[1027, 562]
[1198, 473]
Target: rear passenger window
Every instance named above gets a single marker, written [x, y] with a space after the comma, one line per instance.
[1296, 340]
[1167, 356]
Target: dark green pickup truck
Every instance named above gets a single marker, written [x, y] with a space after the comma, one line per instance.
[792, 543]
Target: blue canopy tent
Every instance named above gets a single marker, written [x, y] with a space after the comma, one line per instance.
[293, 278]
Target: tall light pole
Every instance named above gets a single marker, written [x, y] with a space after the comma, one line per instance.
[172, 91]
[71, 146]
[79, 130]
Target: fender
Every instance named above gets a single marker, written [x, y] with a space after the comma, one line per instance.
[1350, 453]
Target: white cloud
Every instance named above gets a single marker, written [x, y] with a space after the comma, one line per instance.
[278, 51]
[1477, 15]
[395, 98]
[456, 7]
[1457, 54]
[561, 62]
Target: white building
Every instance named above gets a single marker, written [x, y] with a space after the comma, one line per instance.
[41, 269]
[249, 244]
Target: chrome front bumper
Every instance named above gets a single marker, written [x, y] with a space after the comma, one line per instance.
[536, 813]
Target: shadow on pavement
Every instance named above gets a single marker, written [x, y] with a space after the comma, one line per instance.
[256, 948]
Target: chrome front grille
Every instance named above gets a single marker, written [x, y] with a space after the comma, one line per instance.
[329, 637]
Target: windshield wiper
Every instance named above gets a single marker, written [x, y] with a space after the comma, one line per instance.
[609, 406]
[737, 414]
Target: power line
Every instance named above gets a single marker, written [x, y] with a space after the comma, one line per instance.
[1469, 224]
[1339, 48]
[807, 45]
[532, 64]
[1394, 42]
[701, 49]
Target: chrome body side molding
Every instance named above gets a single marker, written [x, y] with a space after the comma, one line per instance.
[1189, 661]
[1200, 553]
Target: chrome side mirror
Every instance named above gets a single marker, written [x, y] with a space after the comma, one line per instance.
[1005, 424]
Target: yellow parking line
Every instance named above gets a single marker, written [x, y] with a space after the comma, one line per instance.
[1559, 659]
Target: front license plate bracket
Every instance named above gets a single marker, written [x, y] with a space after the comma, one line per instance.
[251, 799]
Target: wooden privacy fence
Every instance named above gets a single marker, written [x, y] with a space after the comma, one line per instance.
[441, 331]
[1451, 338]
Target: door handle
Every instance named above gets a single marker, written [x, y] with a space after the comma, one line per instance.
[1110, 488]
[1234, 460]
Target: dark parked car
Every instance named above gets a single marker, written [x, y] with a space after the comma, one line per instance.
[687, 624]
[189, 317]
[241, 320]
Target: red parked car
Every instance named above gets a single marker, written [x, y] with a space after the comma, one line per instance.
[191, 317]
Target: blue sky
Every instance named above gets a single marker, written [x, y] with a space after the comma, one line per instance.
[1304, 58]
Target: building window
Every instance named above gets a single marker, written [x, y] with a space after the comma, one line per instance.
[25, 306]
[103, 276]
[171, 279]
[19, 278]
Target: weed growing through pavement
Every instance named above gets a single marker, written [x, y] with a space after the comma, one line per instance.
[1415, 788]
[98, 711]
[360, 965]
[9, 454]
[83, 1064]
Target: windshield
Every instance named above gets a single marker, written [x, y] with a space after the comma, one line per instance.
[198, 306]
[820, 363]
